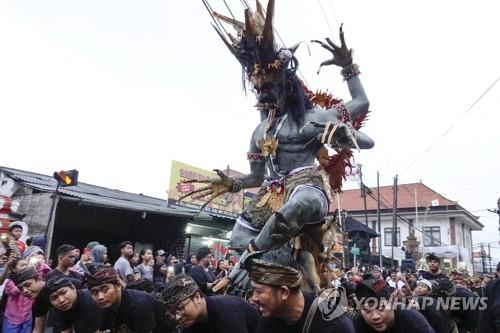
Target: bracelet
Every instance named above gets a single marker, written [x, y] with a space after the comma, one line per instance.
[255, 157]
[350, 71]
[236, 186]
[344, 114]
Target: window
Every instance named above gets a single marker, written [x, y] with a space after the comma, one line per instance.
[432, 236]
[388, 237]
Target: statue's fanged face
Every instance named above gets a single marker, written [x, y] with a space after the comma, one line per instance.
[269, 93]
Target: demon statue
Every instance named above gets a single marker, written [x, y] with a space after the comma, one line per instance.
[296, 125]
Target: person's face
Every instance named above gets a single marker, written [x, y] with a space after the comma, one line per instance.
[68, 259]
[433, 265]
[205, 261]
[222, 265]
[20, 265]
[461, 282]
[421, 289]
[413, 278]
[394, 276]
[135, 259]
[17, 233]
[106, 295]
[188, 311]
[76, 252]
[31, 288]
[147, 256]
[127, 251]
[269, 300]
[350, 277]
[194, 261]
[64, 298]
[380, 319]
[173, 260]
[376, 274]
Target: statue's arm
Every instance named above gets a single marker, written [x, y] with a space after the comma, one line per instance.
[359, 102]
[257, 165]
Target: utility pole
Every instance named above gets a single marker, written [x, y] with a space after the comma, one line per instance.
[489, 255]
[378, 222]
[363, 191]
[394, 217]
[497, 211]
[482, 253]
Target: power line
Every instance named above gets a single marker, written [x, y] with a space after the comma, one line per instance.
[452, 125]
[387, 205]
[325, 17]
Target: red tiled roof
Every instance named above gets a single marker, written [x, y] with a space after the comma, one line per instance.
[351, 200]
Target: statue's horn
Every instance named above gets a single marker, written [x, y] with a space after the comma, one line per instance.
[268, 34]
[260, 9]
[250, 34]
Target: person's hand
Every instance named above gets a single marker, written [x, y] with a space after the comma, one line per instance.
[342, 56]
[3, 260]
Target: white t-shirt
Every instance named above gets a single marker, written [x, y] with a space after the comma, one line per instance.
[400, 284]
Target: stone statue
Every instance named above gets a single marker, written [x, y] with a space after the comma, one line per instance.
[285, 145]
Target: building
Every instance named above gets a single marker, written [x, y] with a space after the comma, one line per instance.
[437, 223]
[82, 213]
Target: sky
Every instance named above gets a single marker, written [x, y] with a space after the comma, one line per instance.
[119, 89]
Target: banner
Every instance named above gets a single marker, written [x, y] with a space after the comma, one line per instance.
[229, 204]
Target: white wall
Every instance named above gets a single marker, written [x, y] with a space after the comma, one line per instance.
[430, 221]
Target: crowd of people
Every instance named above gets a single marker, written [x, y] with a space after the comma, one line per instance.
[156, 292]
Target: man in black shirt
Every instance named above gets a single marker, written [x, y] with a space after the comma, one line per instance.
[125, 309]
[378, 313]
[489, 319]
[74, 309]
[214, 314]
[201, 273]
[66, 259]
[276, 284]
[32, 286]
[464, 305]
[434, 272]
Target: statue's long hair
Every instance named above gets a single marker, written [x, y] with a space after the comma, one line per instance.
[296, 102]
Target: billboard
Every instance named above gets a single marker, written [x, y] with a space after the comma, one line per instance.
[229, 204]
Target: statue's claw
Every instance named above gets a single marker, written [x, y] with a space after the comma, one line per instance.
[222, 284]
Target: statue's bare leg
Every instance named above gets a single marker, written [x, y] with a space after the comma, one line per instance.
[307, 204]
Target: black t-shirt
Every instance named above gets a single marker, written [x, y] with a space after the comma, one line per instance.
[84, 317]
[405, 321]
[202, 277]
[76, 278]
[227, 314]
[489, 318]
[342, 324]
[439, 319]
[467, 316]
[41, 306]
[429, 276]
[139, 312]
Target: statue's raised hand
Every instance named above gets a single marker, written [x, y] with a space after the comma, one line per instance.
[342, 56]
[216, 187]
